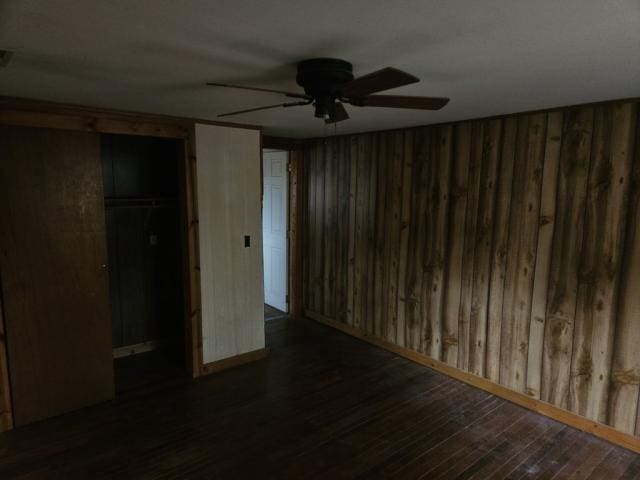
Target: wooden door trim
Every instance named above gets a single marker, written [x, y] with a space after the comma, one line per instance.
[103, 120]
[294, 231]
[191, 249]
[90, 123]
[6, 407]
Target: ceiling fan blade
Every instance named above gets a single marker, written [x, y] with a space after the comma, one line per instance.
[290, 104]
[399, 101]
[377, 81]
[340, 114]
[256, 89]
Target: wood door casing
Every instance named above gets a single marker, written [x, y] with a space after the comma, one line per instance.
[53, 266]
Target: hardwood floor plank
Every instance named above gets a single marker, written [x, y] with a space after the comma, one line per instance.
[321, 405]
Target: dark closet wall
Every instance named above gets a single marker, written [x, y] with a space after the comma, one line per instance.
[143, 237]
[508, 248]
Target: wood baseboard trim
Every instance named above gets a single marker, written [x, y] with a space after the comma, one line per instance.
[600, 430]
[137, 348]
[226, 363]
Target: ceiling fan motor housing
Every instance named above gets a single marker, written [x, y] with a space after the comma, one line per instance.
[321, 79]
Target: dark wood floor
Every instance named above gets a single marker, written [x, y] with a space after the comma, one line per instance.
[271, 313]
[321, 406]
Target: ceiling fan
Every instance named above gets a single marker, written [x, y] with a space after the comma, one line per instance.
[329, 83]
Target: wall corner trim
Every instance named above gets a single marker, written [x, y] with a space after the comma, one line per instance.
[600, 430]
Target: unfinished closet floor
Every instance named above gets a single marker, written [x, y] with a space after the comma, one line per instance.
[321, 405]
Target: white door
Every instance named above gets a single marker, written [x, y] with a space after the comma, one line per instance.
[274, 228]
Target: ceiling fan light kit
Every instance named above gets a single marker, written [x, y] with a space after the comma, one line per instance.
[329, 83]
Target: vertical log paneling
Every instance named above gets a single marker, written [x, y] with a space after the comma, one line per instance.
[417, 226]
[405, 224]
[329, 229]
[469, 250]
[371, 234]
[312, 237]
[342, 225]
[438, 221]
[484, 239]
[362, 195]
[457, 212]
[605, 221]
[567, 243]
[362, 292]
[625, 370]
[394, 230]
[306, 236]
[522, 242]
[509, 248]
[379, 290]
[543, 257]
[499, 249]
[352, 147]
[318, 251]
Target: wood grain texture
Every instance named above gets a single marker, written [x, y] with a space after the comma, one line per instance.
[543, 256]
[500, 243]
[512, 245]
[598, 429]
[295, 229]
[229, 207]
[484, 239]
[193, 305]
[625, 370]
[602, 253]
[322, 405]
[436, 248]
[6, 414]
[53, 260]
[33, 113]
[565, 253]
[525, 206]
[473, 164]
[457, 214]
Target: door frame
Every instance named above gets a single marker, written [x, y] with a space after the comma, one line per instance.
[294, 218]
[287, 170]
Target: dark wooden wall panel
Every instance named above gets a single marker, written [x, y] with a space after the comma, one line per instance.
[507, 247]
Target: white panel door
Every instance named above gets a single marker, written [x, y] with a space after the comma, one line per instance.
[274, 228]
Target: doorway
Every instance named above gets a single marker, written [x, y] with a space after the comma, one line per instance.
[142, 192]
[274, 229]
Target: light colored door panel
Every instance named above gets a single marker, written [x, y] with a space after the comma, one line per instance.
[228, 181]
[274, 229]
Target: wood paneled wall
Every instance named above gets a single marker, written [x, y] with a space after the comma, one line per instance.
[508, 248]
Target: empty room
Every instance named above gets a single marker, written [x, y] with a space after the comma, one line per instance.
[320, 240]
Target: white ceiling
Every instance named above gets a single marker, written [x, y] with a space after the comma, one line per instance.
[490, 57]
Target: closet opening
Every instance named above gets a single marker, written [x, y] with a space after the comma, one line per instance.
[144, 215]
